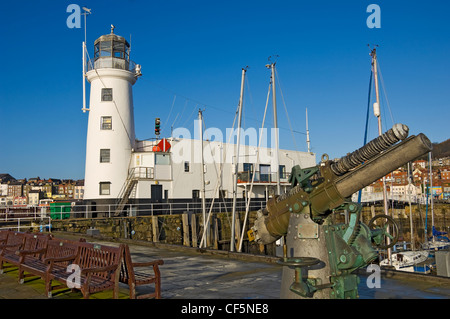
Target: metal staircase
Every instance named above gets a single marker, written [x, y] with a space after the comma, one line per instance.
[123, 198]
[129, 187]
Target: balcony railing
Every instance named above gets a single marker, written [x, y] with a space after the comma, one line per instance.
[247, 176]
[112, 63]
[141, 173]
[9, 216]
[378, 197]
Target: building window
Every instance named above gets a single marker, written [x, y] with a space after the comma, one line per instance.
[162, 159]
[105, 188]
[106, 123]
[186, 166]
[107, 94]
[282, 170]
[247, 174]
[105, 155]
[195, 193]
[264, 173]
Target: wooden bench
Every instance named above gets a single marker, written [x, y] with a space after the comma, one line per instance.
[100, 267]
[35, 263]
[98, 270]
[3, 235]
[13, 241]
[132, 278]
[16, 242]
[22, 242]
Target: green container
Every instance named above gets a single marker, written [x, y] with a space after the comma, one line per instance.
[60, 210]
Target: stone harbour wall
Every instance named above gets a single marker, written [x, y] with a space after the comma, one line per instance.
[187, 229]
[178, 229]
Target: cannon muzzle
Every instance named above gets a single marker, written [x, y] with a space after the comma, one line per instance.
[383, 164]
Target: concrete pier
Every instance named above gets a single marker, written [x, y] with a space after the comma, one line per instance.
[190, 273]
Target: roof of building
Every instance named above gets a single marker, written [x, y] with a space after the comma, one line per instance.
[4, 178]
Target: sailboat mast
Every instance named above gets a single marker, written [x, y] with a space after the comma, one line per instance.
[431, 193]
[376, 106]
[410, 188]
[275, 126]
[202, 174]
[377, 113]
[308, 142]
[233, 219]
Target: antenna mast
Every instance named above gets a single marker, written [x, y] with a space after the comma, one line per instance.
[85, 13]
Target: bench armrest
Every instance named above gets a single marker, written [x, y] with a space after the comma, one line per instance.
[31, 252]
[90, 271]
[149, 263]
[9, 245]
[99, 269]
[52, 260]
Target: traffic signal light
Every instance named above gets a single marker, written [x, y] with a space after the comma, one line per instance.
[157, 125]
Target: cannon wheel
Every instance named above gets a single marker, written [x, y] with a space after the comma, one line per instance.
[381, 223]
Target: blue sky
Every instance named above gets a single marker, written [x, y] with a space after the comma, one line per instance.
[193, 52]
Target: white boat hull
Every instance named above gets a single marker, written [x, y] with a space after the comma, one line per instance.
[407, 260]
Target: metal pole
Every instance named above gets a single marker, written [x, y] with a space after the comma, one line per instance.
[308, 142]
[275, 125]
[84, 74]
[200, 125]
[86, 12]
[376, 110]
[431, 194]
[236, 165]
[410, 209]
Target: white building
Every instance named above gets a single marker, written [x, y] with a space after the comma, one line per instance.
[120, 169]
[3, 189]
[177, 174]
[33, 197]
[79, 190]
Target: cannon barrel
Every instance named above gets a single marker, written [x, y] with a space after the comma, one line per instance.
[332, 193]
[333, 189]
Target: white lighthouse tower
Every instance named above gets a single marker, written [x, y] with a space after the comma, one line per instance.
[110, 136]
